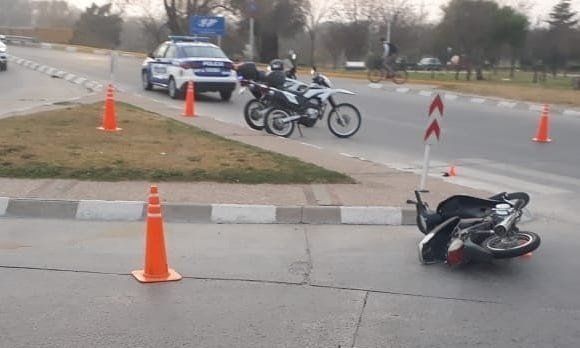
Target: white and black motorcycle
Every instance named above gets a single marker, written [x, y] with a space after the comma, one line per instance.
[287, 109]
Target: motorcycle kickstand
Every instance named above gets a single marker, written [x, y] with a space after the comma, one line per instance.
[300, 131]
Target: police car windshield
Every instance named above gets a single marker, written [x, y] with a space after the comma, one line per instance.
[202, 52]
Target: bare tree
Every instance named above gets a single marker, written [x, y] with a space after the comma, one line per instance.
[318, 11]
[152, 19]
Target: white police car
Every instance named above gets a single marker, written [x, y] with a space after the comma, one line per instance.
[182, 59]
[3, 57]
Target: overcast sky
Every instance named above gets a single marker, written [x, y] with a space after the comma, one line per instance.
[541, 7]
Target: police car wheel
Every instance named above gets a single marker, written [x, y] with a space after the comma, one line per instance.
[174, 91]
[146, 83]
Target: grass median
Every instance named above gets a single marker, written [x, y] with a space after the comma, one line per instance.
[555, 90]
[66, 144]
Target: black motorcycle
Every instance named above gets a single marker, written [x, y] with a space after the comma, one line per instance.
[465, 228]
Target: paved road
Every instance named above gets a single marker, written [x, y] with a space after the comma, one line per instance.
[24, 89]
[491, 145]
[66, 284]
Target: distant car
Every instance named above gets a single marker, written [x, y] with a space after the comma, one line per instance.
[182, 59]
[429, 63]
[405, 63]
[3, 57]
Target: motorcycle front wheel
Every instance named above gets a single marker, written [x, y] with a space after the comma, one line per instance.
[276, 125]
[344, 120]
[519, 244]
[252, 116]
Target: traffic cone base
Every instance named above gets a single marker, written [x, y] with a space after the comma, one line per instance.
[110, 130]
[171, 276]
[537, 140]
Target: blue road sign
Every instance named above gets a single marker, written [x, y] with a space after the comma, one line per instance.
[207, 25]
[252, 7]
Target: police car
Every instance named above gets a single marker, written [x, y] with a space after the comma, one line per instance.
[3, 57]
[182, 59]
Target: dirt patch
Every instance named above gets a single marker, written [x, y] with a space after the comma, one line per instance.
[66, 144]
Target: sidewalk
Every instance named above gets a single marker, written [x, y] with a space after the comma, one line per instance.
[377, 185]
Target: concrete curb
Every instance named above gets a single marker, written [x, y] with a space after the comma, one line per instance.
[93, 86]
[86, 210]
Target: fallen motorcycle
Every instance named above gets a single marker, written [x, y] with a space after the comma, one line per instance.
[464, 229]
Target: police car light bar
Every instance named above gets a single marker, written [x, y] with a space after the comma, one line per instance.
[176, 38]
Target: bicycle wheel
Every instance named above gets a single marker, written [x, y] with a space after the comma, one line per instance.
[375, 75]
[400, 77]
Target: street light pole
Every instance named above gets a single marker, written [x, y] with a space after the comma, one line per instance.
[252, 50]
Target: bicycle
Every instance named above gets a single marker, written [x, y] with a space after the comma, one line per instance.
[399, 77]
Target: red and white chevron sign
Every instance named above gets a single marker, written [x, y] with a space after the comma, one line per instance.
[434, 127]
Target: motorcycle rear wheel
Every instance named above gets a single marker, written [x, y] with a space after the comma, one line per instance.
[522, 243]
[275, 125]
[252, 119]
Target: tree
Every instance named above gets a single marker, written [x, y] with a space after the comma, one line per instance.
[318, 11]
[15, 13]
[152, 20]
[98, 27]
[562, 22]
[511, 30]
[54, 14]
[179, 11]
[562, 16]
[469, 26]
[273, 19]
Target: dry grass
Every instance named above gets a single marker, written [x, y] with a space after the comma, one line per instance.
[534, 94]
[66, 144]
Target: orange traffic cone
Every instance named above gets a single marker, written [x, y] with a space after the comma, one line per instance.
[543, 134]
[156, 268]
[190, 101]
[110, 115]
[451, 172]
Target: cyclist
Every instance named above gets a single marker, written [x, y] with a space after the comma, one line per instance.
[390, 55]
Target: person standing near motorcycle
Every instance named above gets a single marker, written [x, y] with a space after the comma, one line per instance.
[389, 55]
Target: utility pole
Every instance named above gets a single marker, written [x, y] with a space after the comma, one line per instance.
[252, 10]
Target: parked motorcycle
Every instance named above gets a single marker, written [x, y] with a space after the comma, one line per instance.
[257, 83]
[288, 109]
[465, 228]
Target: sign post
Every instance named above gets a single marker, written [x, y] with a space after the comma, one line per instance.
[433, 132]
[252, 10]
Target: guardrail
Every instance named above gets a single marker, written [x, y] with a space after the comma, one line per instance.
[14, 39]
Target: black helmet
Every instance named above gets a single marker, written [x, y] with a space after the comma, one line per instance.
[277, 65]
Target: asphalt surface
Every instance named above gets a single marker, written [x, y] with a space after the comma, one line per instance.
[67, 284]
[491, 146]
[23, 89]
